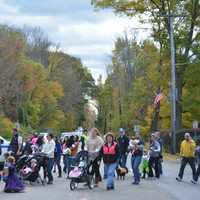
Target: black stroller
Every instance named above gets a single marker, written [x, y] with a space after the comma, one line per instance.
[29, 168]
[21, 161]
[42, 161]
[31, 171]
[80, 172]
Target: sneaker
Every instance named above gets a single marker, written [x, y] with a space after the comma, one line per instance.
[108, 188]
[193, 181]
[178, 179]
[135, 183]
[112, 187]
[49, 182]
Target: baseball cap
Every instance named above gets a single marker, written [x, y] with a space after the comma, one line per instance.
[187, 135]
[121, 130]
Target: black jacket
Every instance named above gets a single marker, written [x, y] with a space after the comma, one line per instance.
[123, 143]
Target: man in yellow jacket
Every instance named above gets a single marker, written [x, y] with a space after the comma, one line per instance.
[187, 152]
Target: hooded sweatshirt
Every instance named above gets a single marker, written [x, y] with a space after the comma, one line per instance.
[187, 148]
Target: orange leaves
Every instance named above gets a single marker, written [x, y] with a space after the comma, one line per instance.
[32, 75]
[55, 89]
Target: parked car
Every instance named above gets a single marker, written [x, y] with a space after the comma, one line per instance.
[4, 144]
[68, 134]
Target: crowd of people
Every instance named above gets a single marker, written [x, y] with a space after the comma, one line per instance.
[146, 159]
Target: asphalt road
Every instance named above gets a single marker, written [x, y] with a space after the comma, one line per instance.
[167, 188]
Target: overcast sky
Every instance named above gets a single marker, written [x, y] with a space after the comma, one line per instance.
[80, 31]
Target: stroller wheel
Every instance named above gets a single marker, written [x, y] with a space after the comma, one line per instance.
[91, 182]
[73, 185]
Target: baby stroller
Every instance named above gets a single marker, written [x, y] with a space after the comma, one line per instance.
[31, 171]
[42, 162]
[80, 172]
[21, 161]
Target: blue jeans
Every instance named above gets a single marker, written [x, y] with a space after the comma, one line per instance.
[65, 163]
[135, 162]
[110, 172]
[70, 162]
[50, 163]
[57, 160]
[104, 171]
[122, 160]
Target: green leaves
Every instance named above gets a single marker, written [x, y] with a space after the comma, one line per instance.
[152, 63]
[127, 7]
[40, 89]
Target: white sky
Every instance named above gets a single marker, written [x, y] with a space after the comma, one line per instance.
[73, 24]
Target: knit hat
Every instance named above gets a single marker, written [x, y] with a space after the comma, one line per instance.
[109, 134]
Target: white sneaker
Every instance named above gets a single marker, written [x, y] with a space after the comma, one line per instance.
[193, 181]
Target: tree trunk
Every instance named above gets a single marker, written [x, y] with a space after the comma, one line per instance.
[179, 109]
[155, 120]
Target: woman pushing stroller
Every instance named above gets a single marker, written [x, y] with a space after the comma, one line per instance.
[93, 145]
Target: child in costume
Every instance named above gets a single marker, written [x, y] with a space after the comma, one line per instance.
[13, 183]
[144, 166]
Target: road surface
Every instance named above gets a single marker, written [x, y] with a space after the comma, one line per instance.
[167, 188]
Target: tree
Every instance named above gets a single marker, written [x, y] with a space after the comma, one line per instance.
[186, 31]
[120, 106]
[11, 52]
[40, 88]
[38, 44]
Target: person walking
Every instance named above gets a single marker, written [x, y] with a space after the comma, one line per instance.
[73, 145]
[57, 157]
[83, 139]
[187, 152]
[48, 149]
[123, 142]
[16, 144]
[197, 156]
[2, 161]
[154, 153]
[160, 140]
[66, 153]
[136, 147]
[93, 146]
[110, 154]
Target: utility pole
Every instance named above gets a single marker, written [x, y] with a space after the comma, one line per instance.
[173, 83]
[171, 17]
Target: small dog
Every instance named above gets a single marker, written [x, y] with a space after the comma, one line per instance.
[121, 173]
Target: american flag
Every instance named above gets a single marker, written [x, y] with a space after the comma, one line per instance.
[158, 98]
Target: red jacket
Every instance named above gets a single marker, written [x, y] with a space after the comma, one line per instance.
[110, 154]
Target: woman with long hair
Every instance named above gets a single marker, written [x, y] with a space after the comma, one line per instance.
[93, 145]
